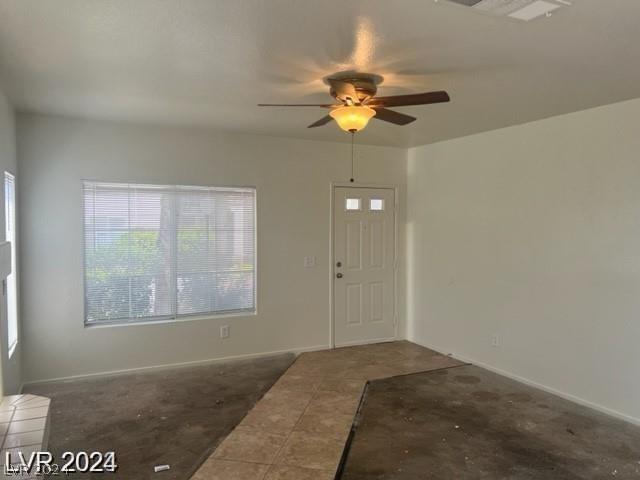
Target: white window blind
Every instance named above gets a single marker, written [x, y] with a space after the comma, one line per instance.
[10, 236]
[161, 252]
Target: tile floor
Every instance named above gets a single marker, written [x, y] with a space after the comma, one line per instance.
[298, 430]
[24, 424]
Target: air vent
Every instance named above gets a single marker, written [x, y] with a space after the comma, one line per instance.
[518, 9]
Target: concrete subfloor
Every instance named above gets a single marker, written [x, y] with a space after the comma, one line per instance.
[174, 417]
[467, 423]
[299, 429]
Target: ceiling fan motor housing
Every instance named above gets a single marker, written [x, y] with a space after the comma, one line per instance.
[365, 84]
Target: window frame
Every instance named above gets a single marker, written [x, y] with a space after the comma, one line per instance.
[164, 319]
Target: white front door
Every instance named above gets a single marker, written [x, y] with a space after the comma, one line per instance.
[363, 265]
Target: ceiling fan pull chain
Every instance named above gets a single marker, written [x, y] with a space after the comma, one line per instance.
[352, 136]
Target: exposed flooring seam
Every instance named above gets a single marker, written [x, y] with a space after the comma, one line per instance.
[352, 432]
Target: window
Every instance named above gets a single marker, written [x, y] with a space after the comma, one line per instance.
[10, 236]
[376, 204]
[352, 204]
[155, 252]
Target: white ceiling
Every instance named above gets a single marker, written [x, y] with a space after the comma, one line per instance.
[209, 62]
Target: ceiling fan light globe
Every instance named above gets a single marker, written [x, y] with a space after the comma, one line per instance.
[352, 118]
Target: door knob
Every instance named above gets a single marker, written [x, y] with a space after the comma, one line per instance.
[338, 275]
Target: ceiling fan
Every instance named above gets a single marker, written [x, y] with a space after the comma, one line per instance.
[358, 103]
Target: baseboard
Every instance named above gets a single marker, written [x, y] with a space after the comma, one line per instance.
[531, 383]
[165, 366]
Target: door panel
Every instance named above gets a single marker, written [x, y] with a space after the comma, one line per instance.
[364, 255]
[376, 245]
[354, 304]
[376, 290]
[354, 245]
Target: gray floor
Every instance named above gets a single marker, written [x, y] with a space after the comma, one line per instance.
[174, 417]
[467, 423]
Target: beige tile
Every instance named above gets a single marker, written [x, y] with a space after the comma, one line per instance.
[371, 371]
[301, 383]
[6, 405]
[27, 425]
[11, 399]
[334, 426]
[215, 469]
[307, 368]
[250, 445]
[6, 417]
[24, 398]
[342, 385]
[276, 419]
[278, 411]
[33, 403]
[293, 399]
[29, 413]
[334, 403]
[23, 439]
[399, 348]
[323, 364]
[284, 472]
[309, 451]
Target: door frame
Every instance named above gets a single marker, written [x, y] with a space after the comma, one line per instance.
[332, 266]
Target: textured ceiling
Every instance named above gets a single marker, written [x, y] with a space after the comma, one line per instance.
[209, 62]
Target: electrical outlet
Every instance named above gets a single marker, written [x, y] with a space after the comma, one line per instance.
[309, 262]
[224, 331]
[496, 340]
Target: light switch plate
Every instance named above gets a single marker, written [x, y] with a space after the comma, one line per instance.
[224, 331]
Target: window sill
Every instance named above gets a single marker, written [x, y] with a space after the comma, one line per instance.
[194, 318]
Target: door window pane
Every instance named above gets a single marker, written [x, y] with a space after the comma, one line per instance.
[376, 204]
[353, 204]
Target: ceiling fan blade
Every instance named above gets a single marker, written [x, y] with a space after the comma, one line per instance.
[345, 91]
[323, 105]
[412, 99]
[391, 116]
[323, 121]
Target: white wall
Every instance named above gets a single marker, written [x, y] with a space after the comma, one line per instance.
[11, 368]
[293, 180]
[533, 232]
